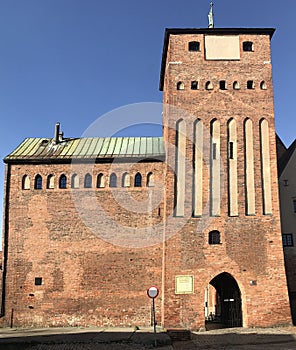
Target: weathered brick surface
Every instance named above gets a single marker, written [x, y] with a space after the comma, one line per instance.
[97, 250]
[251, 246]
[91, 274]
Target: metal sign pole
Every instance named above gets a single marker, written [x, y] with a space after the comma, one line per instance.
[154, 322]
[152, 293]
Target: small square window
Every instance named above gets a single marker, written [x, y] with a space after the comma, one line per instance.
[250, 84]
[38, 281]
[194, 46]
[214, 237]
[288, 240]
[247, 46]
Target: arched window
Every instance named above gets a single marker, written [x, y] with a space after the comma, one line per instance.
[50, 181]
[100, 181]
[236, 85]
[138, 180]
[263, 85]
[180, 85]
[126, 180]
[74, 181]
[113, 180]
[150, 180]
[63, 181]
[214, 237]
[247, 46]
[25, 182]
[193, 46]
[38, 182]
[194, 85]
[87, 181]
[209, 85]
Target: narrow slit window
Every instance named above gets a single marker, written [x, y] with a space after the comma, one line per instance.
[38, 182]
[250, 84]
[180, 85]
[222, 85]
[126, 180]
[74, 181]
[150, 180]
[50, 181]
[294, 205]
[113, 180]
[87, 181]
[100, 181]
[25, 182]
[209, 86]
[138, 180]
[194, 85]
[63, 181]
[263, 85]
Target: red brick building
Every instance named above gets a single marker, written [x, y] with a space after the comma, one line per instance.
[91, 223]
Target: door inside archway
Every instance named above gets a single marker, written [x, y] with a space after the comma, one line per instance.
[223, 306]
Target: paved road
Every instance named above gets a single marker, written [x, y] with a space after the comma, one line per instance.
[125, 339]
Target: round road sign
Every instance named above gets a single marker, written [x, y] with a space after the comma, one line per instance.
[152, 292]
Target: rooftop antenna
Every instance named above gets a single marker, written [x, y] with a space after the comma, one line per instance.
[211, 16]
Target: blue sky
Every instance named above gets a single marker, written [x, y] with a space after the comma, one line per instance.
[75, 60]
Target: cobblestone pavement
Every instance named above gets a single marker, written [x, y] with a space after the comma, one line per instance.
[222, 339]
[242, 339]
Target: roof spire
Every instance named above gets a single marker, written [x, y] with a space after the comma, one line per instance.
[211, 16]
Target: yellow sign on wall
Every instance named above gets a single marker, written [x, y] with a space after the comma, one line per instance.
[184, 285]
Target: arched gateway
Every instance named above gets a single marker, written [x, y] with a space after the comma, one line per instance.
[223, 305]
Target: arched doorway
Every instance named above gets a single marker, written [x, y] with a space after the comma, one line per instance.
[223, 305]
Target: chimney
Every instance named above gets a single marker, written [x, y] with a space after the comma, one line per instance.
[57, 133]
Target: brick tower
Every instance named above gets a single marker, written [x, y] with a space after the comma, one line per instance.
[90, 223]
[224, 257]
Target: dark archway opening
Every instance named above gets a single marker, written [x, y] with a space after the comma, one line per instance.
[223, 305]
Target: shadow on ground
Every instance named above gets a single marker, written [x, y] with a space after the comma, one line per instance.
[250, 340]
[98, 340]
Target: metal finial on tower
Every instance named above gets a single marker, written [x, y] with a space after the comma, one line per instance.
[211, 16]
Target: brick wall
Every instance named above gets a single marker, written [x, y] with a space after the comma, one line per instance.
[95, 266]
[251, 247]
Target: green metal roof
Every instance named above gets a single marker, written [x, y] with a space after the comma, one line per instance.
[46, 150]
